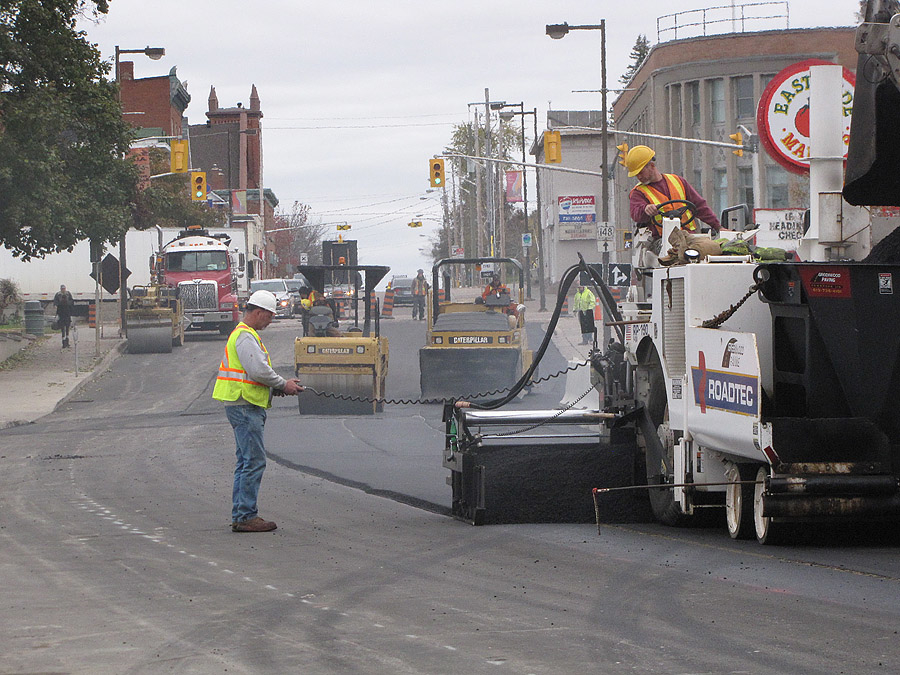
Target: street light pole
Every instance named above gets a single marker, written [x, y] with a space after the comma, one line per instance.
[154, 53]
[557, 32]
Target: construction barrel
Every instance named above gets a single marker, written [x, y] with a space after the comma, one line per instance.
[387, 309]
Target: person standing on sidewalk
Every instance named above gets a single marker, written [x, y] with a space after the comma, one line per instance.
[419, 290]
[246, 383]
[584, 305]
[64, 303]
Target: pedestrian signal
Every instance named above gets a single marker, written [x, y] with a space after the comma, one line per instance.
[436, 172]
[623, 152]
[552, 147]
[179, 159]
[198, 186]
[738, 138]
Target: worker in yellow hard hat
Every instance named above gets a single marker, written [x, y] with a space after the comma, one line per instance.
[655, 187]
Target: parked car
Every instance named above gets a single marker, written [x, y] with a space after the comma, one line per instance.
[284, 299]
[402, 286]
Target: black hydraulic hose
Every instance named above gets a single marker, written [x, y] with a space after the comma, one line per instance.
[565, 283]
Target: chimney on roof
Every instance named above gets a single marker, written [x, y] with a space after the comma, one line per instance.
[126, 70]
[213, 100]
[254, 98]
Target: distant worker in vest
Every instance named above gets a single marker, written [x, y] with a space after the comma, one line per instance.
[654, 188]
[584, 305]
[419, 290]
[246, 383]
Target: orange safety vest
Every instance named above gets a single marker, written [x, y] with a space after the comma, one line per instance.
[654, 196]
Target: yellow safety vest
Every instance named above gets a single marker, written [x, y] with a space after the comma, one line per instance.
[654, 196]
[232, 382]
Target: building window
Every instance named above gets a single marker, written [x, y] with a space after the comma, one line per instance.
[675, 107]
[745, 187]
[717, 101]
[694, 92]
[777, 187]
[743, 97]
[720, 190]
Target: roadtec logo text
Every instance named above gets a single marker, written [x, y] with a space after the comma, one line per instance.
[720, 390]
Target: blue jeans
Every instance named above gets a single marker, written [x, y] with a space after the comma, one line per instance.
[248, 422]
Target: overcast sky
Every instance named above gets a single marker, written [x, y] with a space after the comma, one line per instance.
[358, 94]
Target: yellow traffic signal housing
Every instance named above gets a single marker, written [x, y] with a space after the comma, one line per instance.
[179, 162]
[552, 147]
[436, 172]
[738, 138]
[623, 152]
[198, 186]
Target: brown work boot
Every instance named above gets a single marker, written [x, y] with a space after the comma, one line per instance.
[254, 525]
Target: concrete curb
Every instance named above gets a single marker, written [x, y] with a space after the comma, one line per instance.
[115, 352]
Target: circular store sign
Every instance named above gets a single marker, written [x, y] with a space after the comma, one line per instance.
[783, 114]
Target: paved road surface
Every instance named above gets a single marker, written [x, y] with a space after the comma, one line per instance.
[117, 557]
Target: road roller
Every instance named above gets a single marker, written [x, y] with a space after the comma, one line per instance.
[476, 347]
[154, 320]
[346, 361]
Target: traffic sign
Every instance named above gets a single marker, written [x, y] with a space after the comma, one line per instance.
[458, 252]
[605, 232]
[619, 274]
[526, 239]
[304, 258]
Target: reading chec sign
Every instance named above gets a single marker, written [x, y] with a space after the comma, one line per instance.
[783, 114]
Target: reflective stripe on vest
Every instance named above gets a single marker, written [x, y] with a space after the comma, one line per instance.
[232, 382]
[654, 196]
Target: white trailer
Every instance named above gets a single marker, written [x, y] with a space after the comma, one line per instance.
[40, 278]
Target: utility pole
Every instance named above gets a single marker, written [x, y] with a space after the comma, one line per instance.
[479, 194]
[490, 170]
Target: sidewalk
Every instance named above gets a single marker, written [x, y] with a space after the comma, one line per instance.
[41, 374]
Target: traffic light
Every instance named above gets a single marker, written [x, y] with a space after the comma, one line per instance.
[552, 147]
[198, 186]
[623, 152]
[436, 172]
[416, 223]
[179, 159]
[738, 138]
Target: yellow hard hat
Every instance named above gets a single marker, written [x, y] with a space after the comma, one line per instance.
[637, 158]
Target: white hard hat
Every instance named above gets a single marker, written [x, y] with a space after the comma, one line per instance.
[264, 300]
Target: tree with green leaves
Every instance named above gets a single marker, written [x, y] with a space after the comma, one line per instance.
[63, 172]
[638, 54]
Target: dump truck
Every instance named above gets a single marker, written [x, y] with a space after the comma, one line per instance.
[204, 270]
[760, 395]
[348, 361]
[473, 348]
[154, 320]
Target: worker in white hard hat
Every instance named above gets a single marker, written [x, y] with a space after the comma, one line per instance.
[655, 187]
[246, 383]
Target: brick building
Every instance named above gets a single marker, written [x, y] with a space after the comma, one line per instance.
[154, 105]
